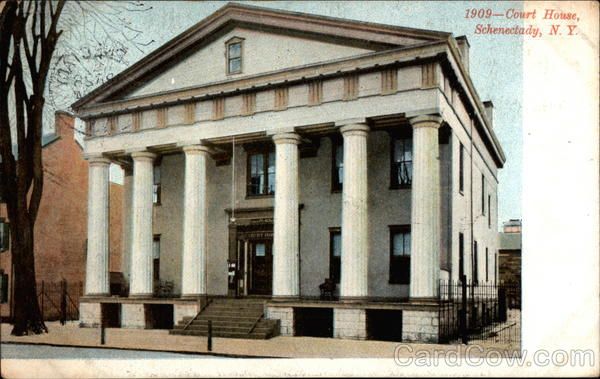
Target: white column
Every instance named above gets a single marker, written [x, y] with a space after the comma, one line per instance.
[193, 275]
[286, 228]
[141, 228]
[96, 274]
[355, 242]
[425, 211]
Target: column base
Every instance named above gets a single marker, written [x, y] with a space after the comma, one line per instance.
[426, 300]
[193, 297]
[141, 296]
[101, 294]
[285, 298]
[353, 299]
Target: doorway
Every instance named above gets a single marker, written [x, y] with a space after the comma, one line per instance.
[252, 270]
[260, 270]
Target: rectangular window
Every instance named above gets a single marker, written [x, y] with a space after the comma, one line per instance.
[261, 174]
[400, 254]
[495, 267]
[234, 58]
[461, 172]
[482, 194]
[335, 254]
[489, 211]
[401, 163]
[3, 287]
[156, 187]
[156, 257]
[4, 236]
[337, 170]
[461, 255]
[487, 266]
[475, 263]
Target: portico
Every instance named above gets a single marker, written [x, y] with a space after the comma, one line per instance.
[273, 182]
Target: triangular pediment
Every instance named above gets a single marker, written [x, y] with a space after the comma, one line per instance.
[271, 40]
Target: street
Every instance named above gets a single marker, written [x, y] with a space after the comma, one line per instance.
[33, 351]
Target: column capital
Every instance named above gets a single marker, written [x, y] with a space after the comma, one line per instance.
[286, 138]
[358, 129]
[143, 155]
[97, 159]
[426, 121]
[196, 149]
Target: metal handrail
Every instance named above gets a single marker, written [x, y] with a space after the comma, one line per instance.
[255, 323]
[208, 301]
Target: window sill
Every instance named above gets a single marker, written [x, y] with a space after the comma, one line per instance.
[400, 284]
[400, 187]
[461, 193]
[250, 197]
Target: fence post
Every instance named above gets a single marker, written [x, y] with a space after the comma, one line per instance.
[63, 301]
[463, 310]
[209, 342]
[502, 303]
[102, 334]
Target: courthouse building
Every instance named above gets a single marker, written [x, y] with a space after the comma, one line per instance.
[329, 170]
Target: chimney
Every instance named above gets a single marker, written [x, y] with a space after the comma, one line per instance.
[64, 124]
[489, 111]
[463, 46]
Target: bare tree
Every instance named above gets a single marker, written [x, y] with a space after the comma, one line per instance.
[28, 37]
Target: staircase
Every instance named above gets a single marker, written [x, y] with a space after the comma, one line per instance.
[231, 318]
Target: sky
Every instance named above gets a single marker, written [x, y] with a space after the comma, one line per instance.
[495, 60]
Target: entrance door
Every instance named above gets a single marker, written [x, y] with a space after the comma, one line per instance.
[261, 269]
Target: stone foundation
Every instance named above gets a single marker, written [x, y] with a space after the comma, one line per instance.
[286, 317]
[184, 310]
[420, 326]
[349, 323]
[133, 316]
[90, 315]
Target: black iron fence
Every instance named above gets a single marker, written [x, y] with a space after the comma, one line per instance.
[472, 311]
[59, 300]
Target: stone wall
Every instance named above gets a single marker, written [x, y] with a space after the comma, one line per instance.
[286, 317]
[349, 323]
[184, 310]
[133, 316]
[420, 326]
[90, 315]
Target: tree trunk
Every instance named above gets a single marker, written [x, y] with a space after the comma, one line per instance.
[27, 317]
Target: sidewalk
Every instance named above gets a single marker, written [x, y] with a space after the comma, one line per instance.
[285, 347]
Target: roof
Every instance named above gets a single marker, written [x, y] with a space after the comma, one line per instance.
[509, 241]
[342, 31]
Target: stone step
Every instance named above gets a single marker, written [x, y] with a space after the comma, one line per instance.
[220, 308]
[231, 313]
[216, 323]
[228, 328]
[258, 336]
[221, 317]
[230, 318]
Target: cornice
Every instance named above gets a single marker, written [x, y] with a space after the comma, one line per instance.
[341, 29]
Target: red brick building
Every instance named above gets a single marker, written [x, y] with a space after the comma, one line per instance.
[61, 225]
